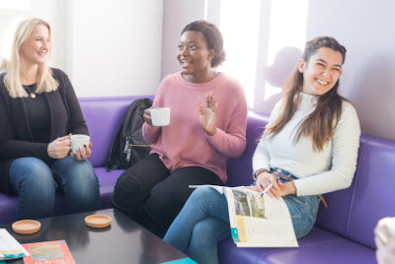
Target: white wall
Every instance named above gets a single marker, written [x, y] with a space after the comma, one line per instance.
[115, 46]
[177, 14]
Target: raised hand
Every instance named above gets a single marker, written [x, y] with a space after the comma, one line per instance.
[208, 115]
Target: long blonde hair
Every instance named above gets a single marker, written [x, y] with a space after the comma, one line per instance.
[12, 66]
[319, 126]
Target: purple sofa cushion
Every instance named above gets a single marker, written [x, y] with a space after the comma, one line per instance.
[319, 246]
[375, 190]
[335, 218]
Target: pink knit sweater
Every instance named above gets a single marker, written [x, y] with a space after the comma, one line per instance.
[183, 143]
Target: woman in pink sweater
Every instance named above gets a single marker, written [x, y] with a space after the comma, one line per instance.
[207, 125]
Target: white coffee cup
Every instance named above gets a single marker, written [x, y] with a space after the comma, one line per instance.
[78, 141]
[160, 116]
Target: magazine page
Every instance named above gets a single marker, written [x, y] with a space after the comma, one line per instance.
[259, 221]
[10, 247]
[48, 252]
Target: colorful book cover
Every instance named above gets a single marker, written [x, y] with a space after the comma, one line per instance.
[48, 252]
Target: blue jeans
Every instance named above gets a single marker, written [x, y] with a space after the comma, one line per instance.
[204, 221]
[35, 183]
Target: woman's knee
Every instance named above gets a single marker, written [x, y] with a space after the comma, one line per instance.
[85, 175]
[128, 194]
[32, 173]
[76, 174]
[78, 168]
[127, 183]
[204, 195]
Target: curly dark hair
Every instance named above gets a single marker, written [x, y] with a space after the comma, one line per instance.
[213, 38]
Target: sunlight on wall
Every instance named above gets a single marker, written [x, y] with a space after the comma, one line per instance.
[239, 24]
[8, 35]
[287, 31]
[205, 16]
[15, 4]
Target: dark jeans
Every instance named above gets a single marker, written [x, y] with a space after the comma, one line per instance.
[151, 194]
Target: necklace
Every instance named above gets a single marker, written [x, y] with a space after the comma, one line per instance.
[30, 89]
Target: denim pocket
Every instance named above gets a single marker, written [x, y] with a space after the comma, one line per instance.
[303, 212]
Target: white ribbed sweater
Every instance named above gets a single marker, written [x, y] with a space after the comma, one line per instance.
[318, 172]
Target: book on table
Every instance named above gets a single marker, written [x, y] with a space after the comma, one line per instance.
[257, 220]
[48, 252]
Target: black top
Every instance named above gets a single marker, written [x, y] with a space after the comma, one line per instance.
[17, 138]
[38, 115]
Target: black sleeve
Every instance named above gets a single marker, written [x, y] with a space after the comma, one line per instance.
[76, 121]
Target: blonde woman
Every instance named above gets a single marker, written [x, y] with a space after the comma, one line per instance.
[38, 112]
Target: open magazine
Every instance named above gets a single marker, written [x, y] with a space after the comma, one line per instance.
[257, 220]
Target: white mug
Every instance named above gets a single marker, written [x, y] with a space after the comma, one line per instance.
[78, 141]
[160, 116]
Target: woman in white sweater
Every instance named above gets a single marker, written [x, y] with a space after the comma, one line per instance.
[311, 140]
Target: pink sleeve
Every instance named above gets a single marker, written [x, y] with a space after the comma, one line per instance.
[150, 133]
[232, 142]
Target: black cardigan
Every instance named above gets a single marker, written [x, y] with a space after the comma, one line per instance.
[16, 137]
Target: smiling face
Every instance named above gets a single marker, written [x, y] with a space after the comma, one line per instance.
[36, 48]
[322, 71]
[194, 56]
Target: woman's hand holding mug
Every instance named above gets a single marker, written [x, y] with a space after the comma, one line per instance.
[59, 148]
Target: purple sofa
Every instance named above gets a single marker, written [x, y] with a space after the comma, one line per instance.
[344, 231]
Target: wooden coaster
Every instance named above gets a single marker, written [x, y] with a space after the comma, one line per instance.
[26, 227]
[98, 220]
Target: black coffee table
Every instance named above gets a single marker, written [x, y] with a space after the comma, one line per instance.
[124, 241]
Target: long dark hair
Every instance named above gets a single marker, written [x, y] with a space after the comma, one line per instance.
[321, 123]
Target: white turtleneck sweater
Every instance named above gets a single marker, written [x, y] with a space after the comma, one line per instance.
[318, 172]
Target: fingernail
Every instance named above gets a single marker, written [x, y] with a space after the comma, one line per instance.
[84, 146]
